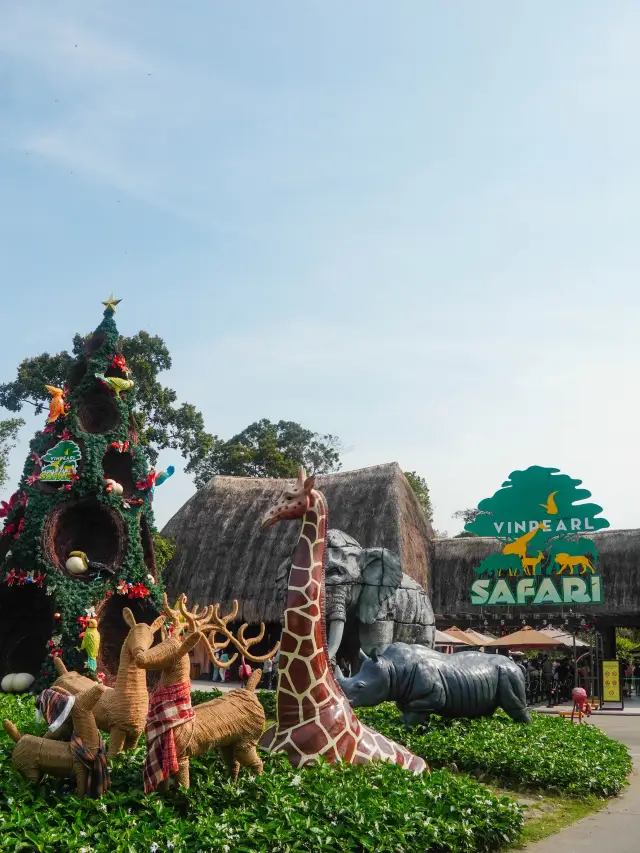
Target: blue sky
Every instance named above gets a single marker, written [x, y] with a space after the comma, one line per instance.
[412, 225]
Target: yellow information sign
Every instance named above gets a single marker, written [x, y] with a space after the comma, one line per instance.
[611, 688]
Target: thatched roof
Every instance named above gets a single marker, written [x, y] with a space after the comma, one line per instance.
[618, 563]
[223, 554]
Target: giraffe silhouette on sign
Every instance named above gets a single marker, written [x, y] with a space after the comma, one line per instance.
[314, 717]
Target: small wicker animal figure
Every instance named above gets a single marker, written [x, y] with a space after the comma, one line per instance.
[122, 710]
[56, 406]
[175, 731]
[83, 758]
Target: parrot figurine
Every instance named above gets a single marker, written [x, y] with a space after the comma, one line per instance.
[163, 476]
[91, 644]
[56, 406]
[115, 383]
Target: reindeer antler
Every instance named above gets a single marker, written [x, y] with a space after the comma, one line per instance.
[216, 624]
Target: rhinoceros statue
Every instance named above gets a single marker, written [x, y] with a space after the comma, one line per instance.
[422, 682]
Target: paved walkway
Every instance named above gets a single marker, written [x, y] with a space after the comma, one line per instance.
[615, 829]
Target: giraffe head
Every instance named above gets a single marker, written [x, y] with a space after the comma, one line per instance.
[295, 501]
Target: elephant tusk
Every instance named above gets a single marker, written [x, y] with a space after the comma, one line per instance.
[336, 630]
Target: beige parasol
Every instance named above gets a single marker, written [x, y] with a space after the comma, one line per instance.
[526, 638]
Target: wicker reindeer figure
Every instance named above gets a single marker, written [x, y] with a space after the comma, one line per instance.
[175, 730]
[83, 758]
[122, 710]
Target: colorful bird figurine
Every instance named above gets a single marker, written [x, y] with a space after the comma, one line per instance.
[77, 563]
[115, 383]
[91, 644]
[56, 406]
[550, 506]
[163, 476]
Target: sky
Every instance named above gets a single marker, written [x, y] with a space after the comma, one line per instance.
[411, 225]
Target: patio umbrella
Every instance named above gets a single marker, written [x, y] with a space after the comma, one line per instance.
[444, 639]
[564, 638]
[526, 638]
[482, 639]
[466, 638]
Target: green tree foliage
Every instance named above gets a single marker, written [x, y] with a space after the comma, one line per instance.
[161, 421]
[8, 434]
[266, 449]
[164, 549]
[421, 489]
[466, 516]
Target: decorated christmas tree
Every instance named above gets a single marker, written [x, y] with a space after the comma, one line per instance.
[77, 539]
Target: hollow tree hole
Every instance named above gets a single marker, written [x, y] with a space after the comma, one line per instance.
[87, 526]
[116, 371]
[119, 467]
[26, 626]
[93, 343]
[76, 373]
[114, 631]
[147, 548]
[98, 411]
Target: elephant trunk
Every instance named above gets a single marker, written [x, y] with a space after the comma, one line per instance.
[335, 615]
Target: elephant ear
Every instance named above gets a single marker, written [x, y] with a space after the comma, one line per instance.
[381, 575]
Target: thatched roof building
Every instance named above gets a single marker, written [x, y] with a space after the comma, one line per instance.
[618, 563]
[223, 554]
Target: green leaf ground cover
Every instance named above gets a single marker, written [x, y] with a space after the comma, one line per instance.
[377, 807]
[550, 753]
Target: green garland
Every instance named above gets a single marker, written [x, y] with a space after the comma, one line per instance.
[72, 598]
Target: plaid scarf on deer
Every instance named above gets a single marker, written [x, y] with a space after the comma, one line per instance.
[169, 707]
[95, 760]
[54, 708]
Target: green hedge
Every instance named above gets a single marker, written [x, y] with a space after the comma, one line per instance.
[376, 807]
[550, 753]
[267, 699]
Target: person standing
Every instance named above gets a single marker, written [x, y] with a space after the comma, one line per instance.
[267, 671]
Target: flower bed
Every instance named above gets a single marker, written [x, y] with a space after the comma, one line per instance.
[378, 808]
[550, 753]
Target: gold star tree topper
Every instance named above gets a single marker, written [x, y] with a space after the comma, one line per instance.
[110, 304]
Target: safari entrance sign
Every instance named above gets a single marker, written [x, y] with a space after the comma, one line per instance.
[543, 521]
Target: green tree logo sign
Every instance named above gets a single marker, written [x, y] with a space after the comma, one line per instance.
[540, 516]
[61, 462]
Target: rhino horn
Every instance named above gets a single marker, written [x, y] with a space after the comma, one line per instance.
[339, 675]
[374, 655]
[362, 656]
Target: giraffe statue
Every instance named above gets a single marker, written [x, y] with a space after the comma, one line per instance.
[314, 717]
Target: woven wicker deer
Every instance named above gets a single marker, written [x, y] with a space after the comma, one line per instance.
[122, 710]
[175, 731]
[83, 758]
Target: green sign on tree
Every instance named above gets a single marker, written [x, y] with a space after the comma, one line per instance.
[539, 517]
[61, 463]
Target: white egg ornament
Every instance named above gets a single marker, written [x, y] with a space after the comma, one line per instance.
[22, 682]
[7, 683]
[77, 563]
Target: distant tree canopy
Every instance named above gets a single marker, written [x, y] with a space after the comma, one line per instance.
[160, 422]
[263, 449]
[8, 434]
[266, 449]
[466, 516]
[421, 490]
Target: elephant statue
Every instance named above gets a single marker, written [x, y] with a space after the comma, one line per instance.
[369, 602]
